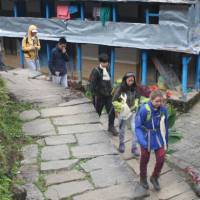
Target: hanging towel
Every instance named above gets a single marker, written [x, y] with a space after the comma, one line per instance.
[63, 12]
[73, 9]
[104, 15]
[96, 12]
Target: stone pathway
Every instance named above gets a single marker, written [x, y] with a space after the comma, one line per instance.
[73, 157]
[174, 185]
[37, 91]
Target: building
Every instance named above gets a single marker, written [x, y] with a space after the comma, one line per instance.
[137, 34]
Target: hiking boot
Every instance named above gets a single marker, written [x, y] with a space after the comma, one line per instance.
[121, 147]
[134, 151]
[144, 183]
[155, 183]
[113, 130]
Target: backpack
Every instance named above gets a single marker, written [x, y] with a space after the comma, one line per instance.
[148, 109]
[89, 88]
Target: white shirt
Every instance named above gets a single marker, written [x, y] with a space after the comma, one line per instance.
[106, 76]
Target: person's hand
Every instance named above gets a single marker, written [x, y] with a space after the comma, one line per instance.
[57, 73]
[64, 50]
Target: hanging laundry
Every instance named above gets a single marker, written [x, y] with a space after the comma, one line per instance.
[63, 12]
[96, 13]
[104, 15]
[73, 9]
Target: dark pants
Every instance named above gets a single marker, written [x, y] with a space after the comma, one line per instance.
[101, 101]
[145, 155]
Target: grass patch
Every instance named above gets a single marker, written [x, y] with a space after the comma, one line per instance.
[11, 140]
[41, 183]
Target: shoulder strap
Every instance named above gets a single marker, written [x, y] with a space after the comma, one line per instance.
[96, 68]
[148, 109]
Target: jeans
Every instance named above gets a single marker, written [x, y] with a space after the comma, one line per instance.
[122, 127]
[61, 80]
[34, 68]
[160, 159]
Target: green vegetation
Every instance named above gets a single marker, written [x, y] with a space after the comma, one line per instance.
[11, 140]
[41, 183]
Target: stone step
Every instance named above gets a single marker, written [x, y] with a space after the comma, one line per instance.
[66, 190]
[58, 165]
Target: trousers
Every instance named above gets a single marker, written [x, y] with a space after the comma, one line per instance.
[160, 159]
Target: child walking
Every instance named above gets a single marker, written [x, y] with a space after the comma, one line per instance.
[152, 134]
[101, 88]
[126, 95]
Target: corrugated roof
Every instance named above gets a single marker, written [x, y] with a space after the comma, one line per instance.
[153, 1]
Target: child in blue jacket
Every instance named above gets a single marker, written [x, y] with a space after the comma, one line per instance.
[152, 134]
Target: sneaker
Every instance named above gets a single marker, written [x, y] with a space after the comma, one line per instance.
[135, 152]
[155, 183]
[121, 147]
[144, 183]
[113, 130]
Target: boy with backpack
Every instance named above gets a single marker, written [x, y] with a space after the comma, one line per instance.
[101, 88]
[151, 129]
[31, 46]
[124, 97]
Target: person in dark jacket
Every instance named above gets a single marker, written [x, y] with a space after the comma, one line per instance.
[152, 134]
[125, 96]
[101, 88]
[57, 63]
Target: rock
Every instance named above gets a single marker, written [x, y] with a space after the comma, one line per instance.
[29, 173]
[117, 192]
[189, 195]
[59, 152]
[84, 118]
[71, 110]
[173, 190]
[19, 192]
[75, 102]
[39, 127]
[66, 190]
[58, 165]
[82, 128]
[92, 138]
[111, 176]
[90, 151]
[51, 194]
[62, 139]
[102, 162]
[30, 153]
[33, 193]
[63, 176]
[29, 115]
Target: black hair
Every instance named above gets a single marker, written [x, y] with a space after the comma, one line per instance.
[103, 58]
[124, 85]
[62, 40]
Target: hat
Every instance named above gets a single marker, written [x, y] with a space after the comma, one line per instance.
[34, 31]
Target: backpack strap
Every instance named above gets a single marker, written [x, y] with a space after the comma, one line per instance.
[26, 40]
[148, 109]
